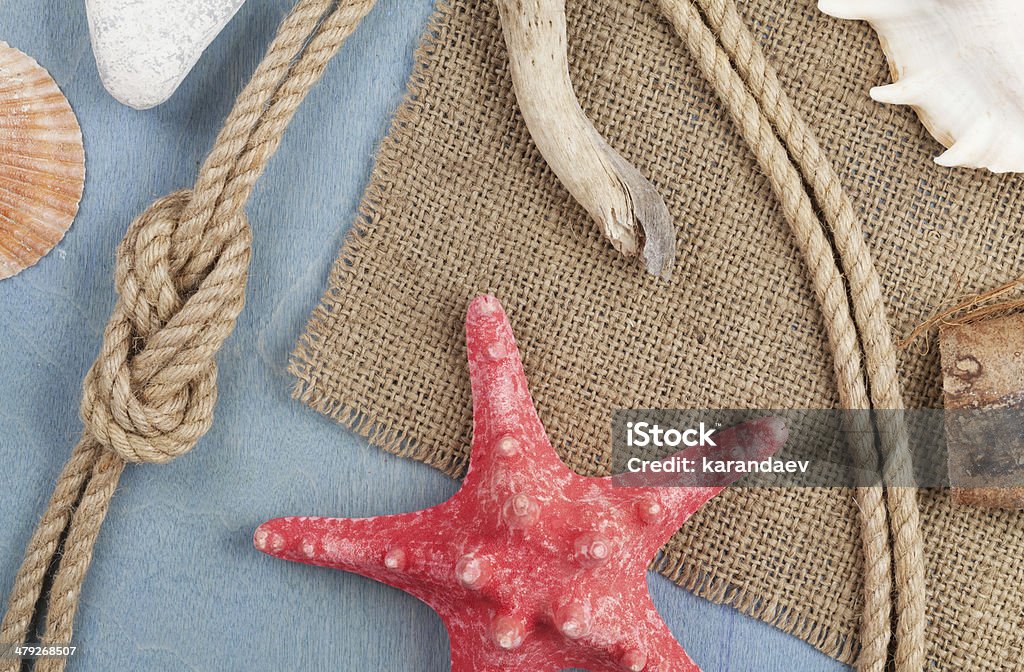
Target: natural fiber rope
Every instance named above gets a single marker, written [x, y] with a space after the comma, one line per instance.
[764, 114]
[181, 276]
[831, 290]
[869, 313]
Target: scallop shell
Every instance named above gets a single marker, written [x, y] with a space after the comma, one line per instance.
[960, 65]
[42, 162]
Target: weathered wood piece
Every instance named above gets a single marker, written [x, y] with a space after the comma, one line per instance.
[628, 208]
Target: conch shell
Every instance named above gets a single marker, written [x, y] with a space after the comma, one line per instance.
[42, 162]
[960, 65]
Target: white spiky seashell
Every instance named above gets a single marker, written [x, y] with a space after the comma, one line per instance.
[42, 162]
[960, 65]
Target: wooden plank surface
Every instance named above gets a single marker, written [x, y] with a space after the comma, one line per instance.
[175, 583]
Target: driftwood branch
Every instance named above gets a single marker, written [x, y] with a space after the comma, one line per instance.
[628, 208]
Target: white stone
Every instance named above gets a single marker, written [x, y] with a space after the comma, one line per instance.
[145, 48]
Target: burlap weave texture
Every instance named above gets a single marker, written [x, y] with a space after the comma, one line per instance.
[461, 203]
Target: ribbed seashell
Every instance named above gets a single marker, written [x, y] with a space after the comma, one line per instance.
[960, 65]
[42, 162]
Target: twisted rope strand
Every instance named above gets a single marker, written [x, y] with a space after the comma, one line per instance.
[62, 601]
[42, 546]
[869, 313]
[758, 131]
[181, 276]
[238, 127]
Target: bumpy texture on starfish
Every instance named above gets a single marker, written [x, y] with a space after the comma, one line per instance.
[532, 567]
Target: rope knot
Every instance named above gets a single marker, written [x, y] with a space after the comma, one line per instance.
[181, 275]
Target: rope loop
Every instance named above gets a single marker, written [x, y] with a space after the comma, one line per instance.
[180, 276]
[149, 397]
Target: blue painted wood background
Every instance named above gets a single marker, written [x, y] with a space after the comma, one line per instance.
[175, 582]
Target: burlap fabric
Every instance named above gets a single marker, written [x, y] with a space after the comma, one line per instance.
[461, 203]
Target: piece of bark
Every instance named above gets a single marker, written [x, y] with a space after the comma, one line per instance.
[983, 386]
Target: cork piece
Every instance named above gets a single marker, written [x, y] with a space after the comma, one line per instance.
[983, 385]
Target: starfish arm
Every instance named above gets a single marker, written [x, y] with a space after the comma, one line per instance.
[610, 624]
[484, 641]
[645, 642]
[505, 421]
[405, 550]
[665, 500]
[753, 440]
[470, 664]
[479, 657]
[666, 653]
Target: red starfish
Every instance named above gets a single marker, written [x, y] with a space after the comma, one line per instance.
[532, 566]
